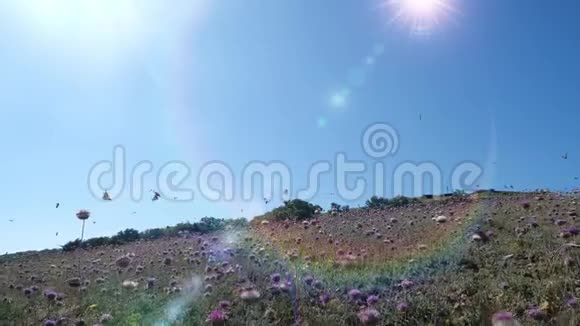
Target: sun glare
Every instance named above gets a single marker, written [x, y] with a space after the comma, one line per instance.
[420, 15]
[421, 7]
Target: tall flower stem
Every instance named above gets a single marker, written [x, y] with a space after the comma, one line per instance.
[80, 261]
[82, 215]
[83, 231]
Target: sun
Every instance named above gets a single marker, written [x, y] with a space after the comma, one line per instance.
[421, 7]
[420, 15]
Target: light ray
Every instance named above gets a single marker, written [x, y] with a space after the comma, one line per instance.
[421, 16]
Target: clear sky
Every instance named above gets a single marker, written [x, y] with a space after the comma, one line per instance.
[292, 81]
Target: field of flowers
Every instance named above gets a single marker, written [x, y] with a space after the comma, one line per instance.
[463, 260]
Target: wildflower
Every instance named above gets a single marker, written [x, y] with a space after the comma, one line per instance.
[123, 261]
[83, 214]
[572, 302]
[308, 280]
[372, 300]
[536, 313]
[217, 317]
[354, 294]
[526, 205]
[402, 306]
[250, 295]
[324, 299]
[573, 230]
[317, 284]
[406, 284]
[225, 305]
[275, 278]
[49, 323]
[50, 295]
[503, 318]
[369, 316]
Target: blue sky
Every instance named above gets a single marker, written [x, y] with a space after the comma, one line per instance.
[242, 81]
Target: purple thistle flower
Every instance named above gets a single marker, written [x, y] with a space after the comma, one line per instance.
[535, 313]
[526, 204]
[402, 307]
[369, 317]
[50, 295]
[354, 294]
[372, 300]
[49, 323]
[308, 280]
[83, 214]
[406, 284]
[324, 299]
[317, 284]
[123, 261]
[275, 278]
[286, 286]
[503, 318]
[572, 302]
[217, 317]
[225, 305]
[573, 230]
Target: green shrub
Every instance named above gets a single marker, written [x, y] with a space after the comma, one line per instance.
[377, 202]
[296, 210]
[206, 225]
[382, 202]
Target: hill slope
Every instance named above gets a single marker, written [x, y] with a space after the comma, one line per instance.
[450, 261]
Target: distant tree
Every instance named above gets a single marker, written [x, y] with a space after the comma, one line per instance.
[295, 209]
[97, 242]
[205, 225]
[72, 245]
[152, 234]
[212, 223]
[399, 201]
[459, 193]
[236, 222]
[377, 202]
[334, 207]
[126, 236]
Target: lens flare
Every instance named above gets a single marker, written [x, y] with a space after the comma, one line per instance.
[420, 15]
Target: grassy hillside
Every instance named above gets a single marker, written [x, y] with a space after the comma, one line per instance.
[443, 261]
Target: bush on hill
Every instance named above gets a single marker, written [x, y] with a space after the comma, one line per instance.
[376, 202]
[296, 210]
[206, 225]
